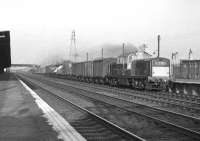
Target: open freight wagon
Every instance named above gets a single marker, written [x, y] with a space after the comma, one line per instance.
[92, 71]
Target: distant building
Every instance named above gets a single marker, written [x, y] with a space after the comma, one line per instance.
[60, 68]
[50, 69]
[190, 69]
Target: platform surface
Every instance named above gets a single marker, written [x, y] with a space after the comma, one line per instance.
[20, 117]
[187, 81]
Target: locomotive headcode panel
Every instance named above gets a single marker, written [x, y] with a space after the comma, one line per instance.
[160, 67]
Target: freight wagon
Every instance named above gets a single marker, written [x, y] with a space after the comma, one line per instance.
[5, 58]
[88, 76]
[92, 71]
[101, 69]
[78, 69]
[82, 71]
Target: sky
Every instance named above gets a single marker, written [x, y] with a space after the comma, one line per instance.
[41, 29]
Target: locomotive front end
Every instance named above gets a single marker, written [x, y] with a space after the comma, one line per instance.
[160, 73]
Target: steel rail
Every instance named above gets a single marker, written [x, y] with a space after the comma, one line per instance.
[125, 133]
[185, 130]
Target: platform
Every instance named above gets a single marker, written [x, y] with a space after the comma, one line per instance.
[186, 81]
[23, 119]
[185, 86]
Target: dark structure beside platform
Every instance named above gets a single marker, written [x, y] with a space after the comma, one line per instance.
[186, 87]
[5, 57]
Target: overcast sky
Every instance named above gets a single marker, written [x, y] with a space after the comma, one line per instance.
[41, 29]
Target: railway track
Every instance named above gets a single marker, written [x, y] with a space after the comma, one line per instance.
[171, 120]
[168, 100]
[192, 99]
[151, 97]
[91, 126]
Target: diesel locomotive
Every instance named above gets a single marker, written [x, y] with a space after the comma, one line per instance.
[151, 74]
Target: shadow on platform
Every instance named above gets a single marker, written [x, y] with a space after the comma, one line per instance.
[7, 77]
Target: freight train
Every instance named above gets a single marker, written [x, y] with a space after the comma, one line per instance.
[150, 73]
[5, 58]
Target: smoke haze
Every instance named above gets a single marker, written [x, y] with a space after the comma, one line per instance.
[41, 29]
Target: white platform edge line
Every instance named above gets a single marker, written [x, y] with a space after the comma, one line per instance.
[60, 125]
[58, 122]
[51, 118]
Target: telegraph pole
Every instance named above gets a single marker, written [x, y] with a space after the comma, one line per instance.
[102, 53]
[70, 48]
[87, 65]
[87, 56]
[172, 65]
[102, 57]
[158, 45]
[189, 57]
[123, 45]
[73, 51]
[189, 54]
